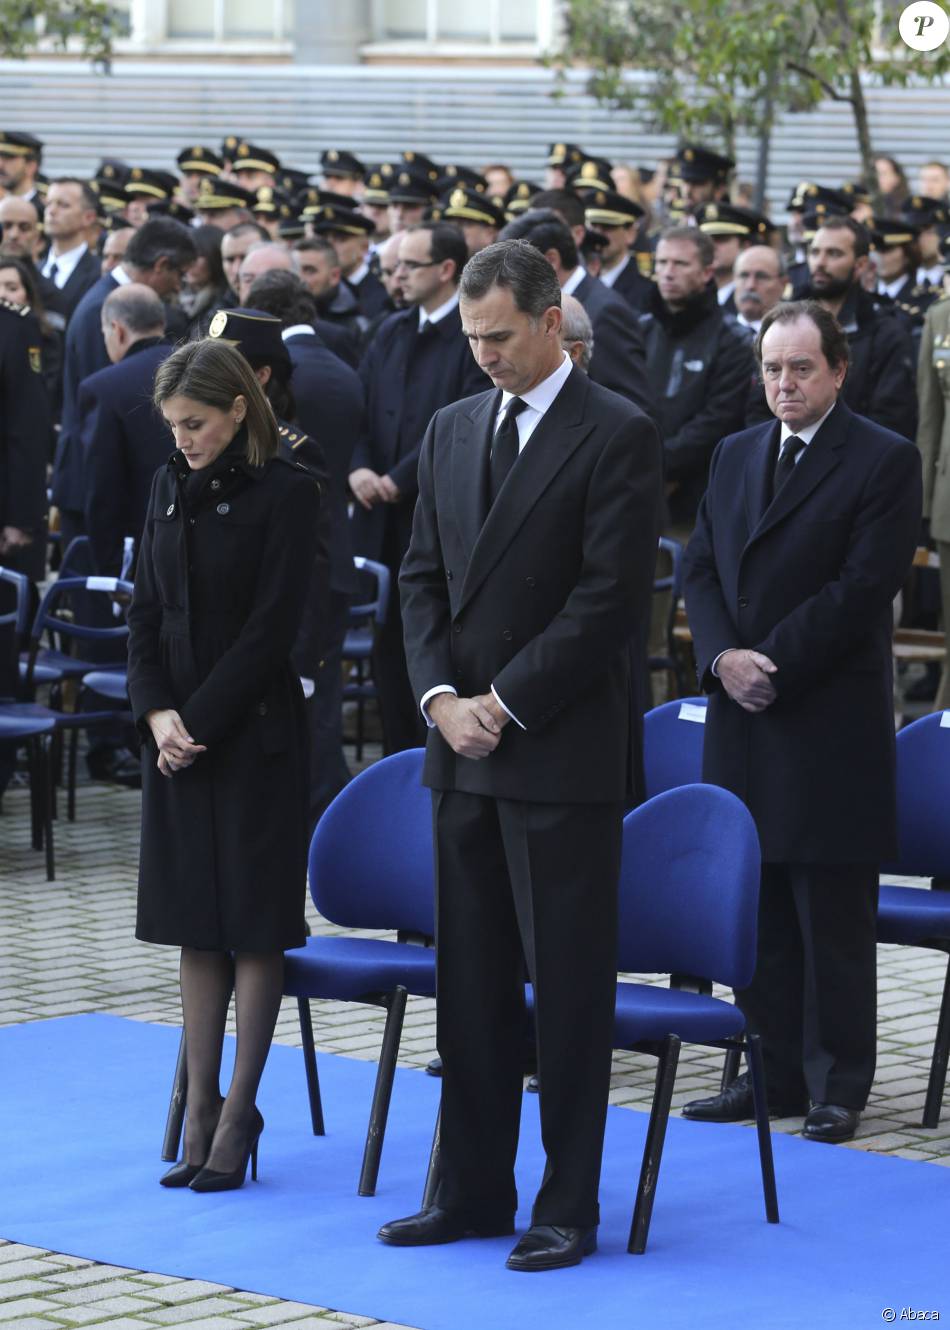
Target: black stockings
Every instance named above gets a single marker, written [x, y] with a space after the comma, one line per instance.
[216, 1130]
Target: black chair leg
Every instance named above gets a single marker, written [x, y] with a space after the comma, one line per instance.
[34, 771]
[760, 1099]
[71, 776]
[730, 1068]
[45, 782]
[433, 1171]
[938, 1063]
[176, 1106]
[310, 1068]
[382, 1093]
[653, 1148]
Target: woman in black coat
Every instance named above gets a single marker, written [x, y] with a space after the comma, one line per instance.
[218, 600]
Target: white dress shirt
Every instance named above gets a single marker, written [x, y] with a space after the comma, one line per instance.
[724, 292]
[891, 288]
[437, 314]
[609, 275]
[574, 281]
[65, 264]
[120, 275]
[806, 435]
[296, 329]
[933, 275]
[357, 275]
[537, 401]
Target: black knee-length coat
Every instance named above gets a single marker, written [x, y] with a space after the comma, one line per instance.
[220, 586]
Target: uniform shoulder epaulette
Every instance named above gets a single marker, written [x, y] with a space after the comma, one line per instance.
[294, 437]
[21, 310]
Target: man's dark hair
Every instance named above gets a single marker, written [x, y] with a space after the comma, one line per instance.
[90, 199]
[834, 340]
[283, 295]
[543, 229]
[447, 242]
[700, 241]
[317, 245]
[161, 238]
[568, 205]
[517, 266]
[246, 228]
[836, 222]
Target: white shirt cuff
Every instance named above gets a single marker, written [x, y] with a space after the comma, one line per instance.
[714, 667]
[427, 698]
[508, 713]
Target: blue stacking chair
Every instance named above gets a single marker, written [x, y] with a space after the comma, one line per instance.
[689, 892]
[671, 582]
[908, 915]
[370, 867]
[673, 744]
[23, 723]
[366, 619]
[49, 620]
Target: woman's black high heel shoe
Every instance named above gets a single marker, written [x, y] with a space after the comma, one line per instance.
[209, 1180]
[182, 1173]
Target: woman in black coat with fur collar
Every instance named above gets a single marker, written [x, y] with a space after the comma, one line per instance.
[219, 595]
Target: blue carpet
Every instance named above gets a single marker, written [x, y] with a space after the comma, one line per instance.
[82, 1108]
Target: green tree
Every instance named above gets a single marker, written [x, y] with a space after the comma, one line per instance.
[715, 68]
[29, 25]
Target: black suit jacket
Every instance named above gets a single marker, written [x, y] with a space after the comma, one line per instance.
[124, 442]
[84, 354]
[407, 377]
[619, 359]
[633, 286]
[329, 399]
[542, 597]
[809, 581]
[63, 300]
[372, 296]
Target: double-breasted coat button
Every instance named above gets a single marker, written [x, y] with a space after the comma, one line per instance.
[743, 602]
[191, 521]
[448, 574]
[215, 484]
[224, 509]
[170, 510]
[262, 708]
[456, 628]
[529, 581]
[506, 634]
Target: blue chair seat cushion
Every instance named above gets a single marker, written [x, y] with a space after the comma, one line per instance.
[647, 1011]
[108, 683]
[23, 720]
[41, 673]
[358, 644]
[912, 915]
[347, 968]
[65, 666]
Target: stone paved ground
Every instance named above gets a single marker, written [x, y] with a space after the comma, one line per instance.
[91, 962]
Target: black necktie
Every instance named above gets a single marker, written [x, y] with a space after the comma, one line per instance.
[51, 275]
[785, 463]
[505, 445]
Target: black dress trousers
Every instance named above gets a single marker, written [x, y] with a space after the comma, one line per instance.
[524, 883]
[813, 997]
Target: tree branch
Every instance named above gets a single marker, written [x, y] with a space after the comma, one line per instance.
[829, 88]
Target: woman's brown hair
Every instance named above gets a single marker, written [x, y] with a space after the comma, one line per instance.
[213, 373]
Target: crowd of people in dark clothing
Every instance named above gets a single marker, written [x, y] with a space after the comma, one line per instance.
[340, 288]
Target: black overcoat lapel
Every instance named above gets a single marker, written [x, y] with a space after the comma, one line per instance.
[821, 457]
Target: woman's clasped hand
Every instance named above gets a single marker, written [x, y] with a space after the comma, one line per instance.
[176, 748]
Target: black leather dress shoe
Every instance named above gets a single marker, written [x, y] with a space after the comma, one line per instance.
[735, 1104]
[546, 1247]
[831, 1122]
[433, 1226]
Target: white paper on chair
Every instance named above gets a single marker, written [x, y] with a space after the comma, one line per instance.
[690, 711]
[945, 720]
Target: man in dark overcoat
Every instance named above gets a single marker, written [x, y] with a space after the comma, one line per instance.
[804, 538]
[528, 576]
[124, 438]
[418, 362]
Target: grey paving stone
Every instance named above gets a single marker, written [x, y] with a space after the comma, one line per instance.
[11, 1313]
[16, 1251]
[193, 1311]
[189, 1290]
[278, 1313]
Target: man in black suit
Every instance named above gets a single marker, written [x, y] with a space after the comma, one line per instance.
[328, 396]
[618, 218]
[273, 257]
[418, 362]
[804, 537]
[157, 256]
[619, 359]
[520, 610]
[69, 265]
[124, 440]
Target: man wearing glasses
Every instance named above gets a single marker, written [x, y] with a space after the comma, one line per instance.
[418, 362]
